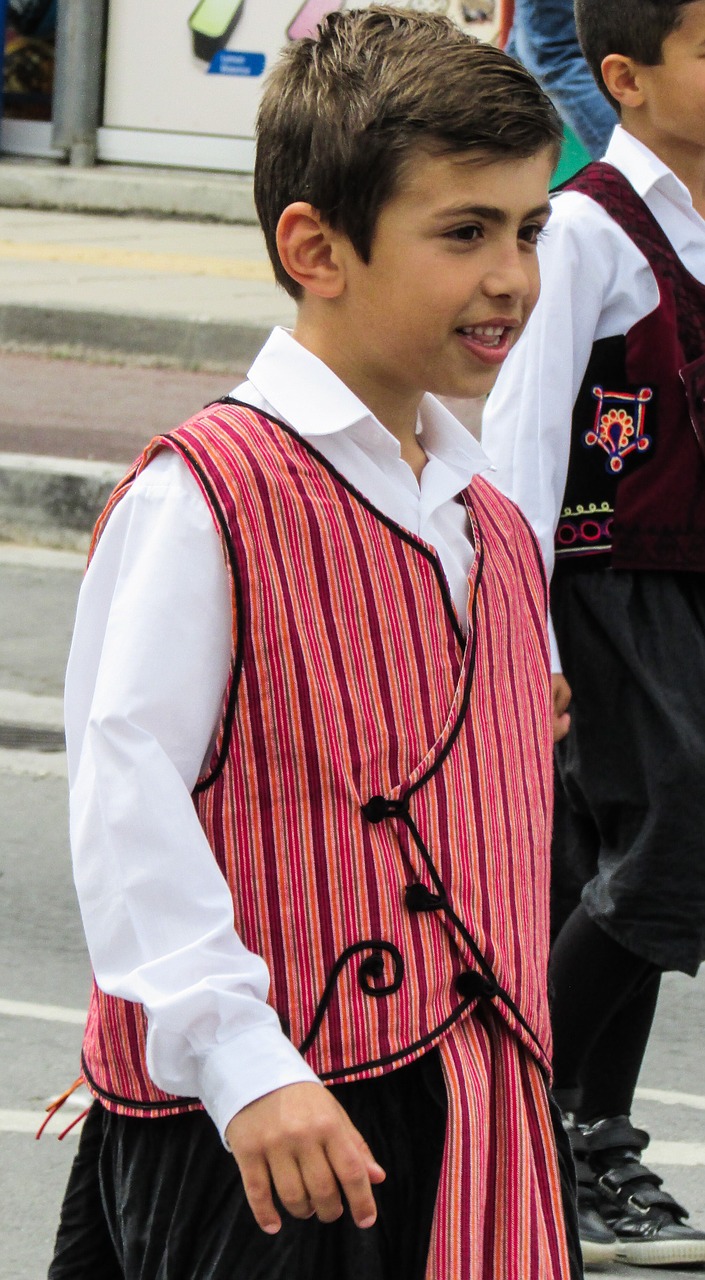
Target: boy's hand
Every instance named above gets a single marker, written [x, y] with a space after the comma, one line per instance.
[560, 697]
[300, 1140]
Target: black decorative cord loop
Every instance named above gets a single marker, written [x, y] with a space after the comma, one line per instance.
[371, 968]
[378, 808]
[419, 898]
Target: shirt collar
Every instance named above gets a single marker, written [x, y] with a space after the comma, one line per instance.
[643, 168]
[305, 393]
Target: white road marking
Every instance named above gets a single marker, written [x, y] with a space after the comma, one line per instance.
[45, 1012]
[680, 1153]
[33, 764]
[40, 557]
[37, 710]
[30, 1121]
[671, 1098]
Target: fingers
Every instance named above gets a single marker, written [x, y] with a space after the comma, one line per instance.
[321, 1188]
[258, 1189]
[375, 1172]
[561, 725]
[314, 1186]
[299, 1142]
[560, 698]
[347, 1159]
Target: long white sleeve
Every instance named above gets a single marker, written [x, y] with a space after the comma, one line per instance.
[147, 674]
[594, 283]
[145, 683]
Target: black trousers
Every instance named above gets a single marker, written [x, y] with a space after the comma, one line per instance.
[162, 1199]
[629, 831]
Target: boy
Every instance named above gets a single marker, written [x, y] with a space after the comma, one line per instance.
[300, 751]
[617, 344]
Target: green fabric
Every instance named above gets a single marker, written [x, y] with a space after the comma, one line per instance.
[573, 157]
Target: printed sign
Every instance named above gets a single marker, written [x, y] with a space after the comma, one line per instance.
[196, 69]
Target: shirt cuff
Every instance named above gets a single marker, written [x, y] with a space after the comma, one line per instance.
[556, 664]
[246, 1068]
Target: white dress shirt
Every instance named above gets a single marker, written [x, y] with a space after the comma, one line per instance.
[145, 684]
[595, 283]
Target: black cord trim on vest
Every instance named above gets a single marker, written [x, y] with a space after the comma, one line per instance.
[229, 715]
[469, 677]
[377, 808]
[372, 969]
[390, 1058]
[390, 524]
[483, 963]
[365, 973]
[137, 1104]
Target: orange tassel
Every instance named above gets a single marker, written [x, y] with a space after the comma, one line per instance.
[56, 1105]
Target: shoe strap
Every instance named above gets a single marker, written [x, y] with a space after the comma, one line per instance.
[614, 1131]
[638, 1188]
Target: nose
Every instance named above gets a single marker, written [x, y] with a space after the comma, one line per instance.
[513, 273]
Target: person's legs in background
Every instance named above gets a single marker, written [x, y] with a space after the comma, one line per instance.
[544, 39]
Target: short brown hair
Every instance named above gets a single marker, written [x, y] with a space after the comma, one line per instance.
[634, 28]
[343, 109]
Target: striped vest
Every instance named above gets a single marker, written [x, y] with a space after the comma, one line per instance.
[379, 793]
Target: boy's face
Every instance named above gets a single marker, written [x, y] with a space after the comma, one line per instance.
[452, 278]
[674, 90]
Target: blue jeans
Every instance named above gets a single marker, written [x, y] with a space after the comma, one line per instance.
[544, 39]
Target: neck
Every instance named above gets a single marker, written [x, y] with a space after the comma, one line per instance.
[396, 408]
[684, 159]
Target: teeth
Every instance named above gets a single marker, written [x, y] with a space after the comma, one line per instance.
[489, 334]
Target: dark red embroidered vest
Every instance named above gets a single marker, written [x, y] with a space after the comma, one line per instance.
[379, 795]
[635, 492]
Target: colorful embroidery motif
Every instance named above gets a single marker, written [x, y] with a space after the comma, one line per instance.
[585, 529]
[619, 425]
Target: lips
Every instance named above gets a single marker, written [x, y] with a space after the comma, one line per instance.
[490, 343]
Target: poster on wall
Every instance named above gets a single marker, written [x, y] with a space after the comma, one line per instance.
[196, 67]
[28, 64]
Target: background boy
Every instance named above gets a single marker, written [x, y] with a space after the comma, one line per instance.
[299, 749]
[617, 344]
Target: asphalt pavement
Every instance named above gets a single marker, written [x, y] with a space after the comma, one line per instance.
[112, 329]
[45, 972]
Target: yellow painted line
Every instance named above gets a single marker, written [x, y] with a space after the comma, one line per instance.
[178, 264]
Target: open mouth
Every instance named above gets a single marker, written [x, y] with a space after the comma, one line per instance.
[490, 342]
[489, 335]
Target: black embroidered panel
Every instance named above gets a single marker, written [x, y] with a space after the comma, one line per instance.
[614, 430]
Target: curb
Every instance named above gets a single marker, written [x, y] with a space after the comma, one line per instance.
[129, 190]
[54, 502]
[186, 341]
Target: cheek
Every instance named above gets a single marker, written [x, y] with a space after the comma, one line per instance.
[534, 288]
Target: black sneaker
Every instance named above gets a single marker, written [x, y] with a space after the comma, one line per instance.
[598, 1243]
[647, 1222]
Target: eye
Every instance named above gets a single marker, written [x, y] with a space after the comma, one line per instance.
[532, 232]
[466, 233]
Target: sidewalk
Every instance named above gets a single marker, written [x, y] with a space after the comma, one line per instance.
[185, 305]
[191, 293]
[173, 294]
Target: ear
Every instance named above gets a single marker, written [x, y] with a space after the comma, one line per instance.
[308, 251]
[621, 77]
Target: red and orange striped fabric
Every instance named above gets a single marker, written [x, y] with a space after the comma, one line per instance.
[498, 1213]
[379, 792]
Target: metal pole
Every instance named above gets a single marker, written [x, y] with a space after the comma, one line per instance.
[78, 78]
[3, 11]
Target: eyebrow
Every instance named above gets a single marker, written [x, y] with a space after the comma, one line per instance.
[490, 213]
